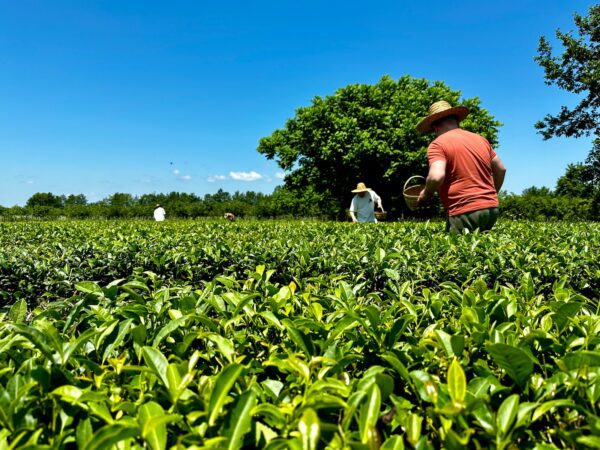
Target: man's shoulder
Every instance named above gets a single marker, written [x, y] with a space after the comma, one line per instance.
[458, 135]
[470, 134]
[449, 136]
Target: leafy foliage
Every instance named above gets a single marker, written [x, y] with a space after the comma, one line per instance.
[363, 133]
[593, 164]
[548, 207]
[281, 203]
[45, 199]
[576, 182]
[577, 71]
[298, 335]
[576, 197]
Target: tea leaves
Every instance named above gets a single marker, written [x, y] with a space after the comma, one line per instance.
[298, 335]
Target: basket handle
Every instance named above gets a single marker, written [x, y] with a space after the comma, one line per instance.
[414, 176]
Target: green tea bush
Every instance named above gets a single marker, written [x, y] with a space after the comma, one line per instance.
[298, 335]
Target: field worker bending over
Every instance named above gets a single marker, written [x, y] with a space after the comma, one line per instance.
[159, 213]
[464, 168]
[362, 207]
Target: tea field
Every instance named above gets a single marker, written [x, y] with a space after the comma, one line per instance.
[298, 335]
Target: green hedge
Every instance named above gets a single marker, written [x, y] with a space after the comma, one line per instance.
[544, 207]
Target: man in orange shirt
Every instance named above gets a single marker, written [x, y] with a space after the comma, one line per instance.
[464, 168]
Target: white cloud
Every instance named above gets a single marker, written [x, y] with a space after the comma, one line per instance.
[25, 179]
[148, 179]
[180, 177]
[245, 176]
[280, 175]
[238, 176]
[214, 178]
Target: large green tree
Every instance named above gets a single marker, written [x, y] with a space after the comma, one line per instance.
[535, 191]
[120, 199]
[363, 133]
[576, 182]
[44, 199]
[593, 164]
[576, 70]
[75, 200]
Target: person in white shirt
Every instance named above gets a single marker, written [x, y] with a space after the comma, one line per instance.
[159, 213]
[362, 208]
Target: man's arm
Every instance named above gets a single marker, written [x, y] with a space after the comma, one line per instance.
[352, 216]
[498, 172]
[435, 178]
[377, 199]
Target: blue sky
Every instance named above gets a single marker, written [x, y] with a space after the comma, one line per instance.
[98, 97]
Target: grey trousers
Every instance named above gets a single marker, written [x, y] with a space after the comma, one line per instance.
[482, 219]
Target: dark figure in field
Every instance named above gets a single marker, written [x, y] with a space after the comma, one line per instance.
[229, 216]
[464, 168]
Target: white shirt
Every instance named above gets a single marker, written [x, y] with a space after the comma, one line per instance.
[364, 207]
[159, 214]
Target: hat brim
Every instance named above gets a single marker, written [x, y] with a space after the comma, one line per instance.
[424, 126]
[357, 191]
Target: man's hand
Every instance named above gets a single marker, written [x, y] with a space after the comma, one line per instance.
[435, 178]
[423, 198]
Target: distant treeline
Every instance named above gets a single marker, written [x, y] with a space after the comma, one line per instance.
[549, 207]
[563, 203]
[46, 205]
[576, 195]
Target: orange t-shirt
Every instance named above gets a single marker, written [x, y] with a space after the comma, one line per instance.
[469, 183]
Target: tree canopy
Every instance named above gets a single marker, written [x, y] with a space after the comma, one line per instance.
[593, 163]
[576, 182]
[576, 70]
[364, 133]
[535, 191]
[44, 199]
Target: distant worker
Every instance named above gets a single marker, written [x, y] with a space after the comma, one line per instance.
[229, 216]
[362, 207]
[159, 213]
[464, 168]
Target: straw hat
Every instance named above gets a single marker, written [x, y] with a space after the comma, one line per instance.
[438, 111]
[360, 187]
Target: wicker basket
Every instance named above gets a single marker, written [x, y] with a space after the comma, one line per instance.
[411, 193]
[381, 215]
